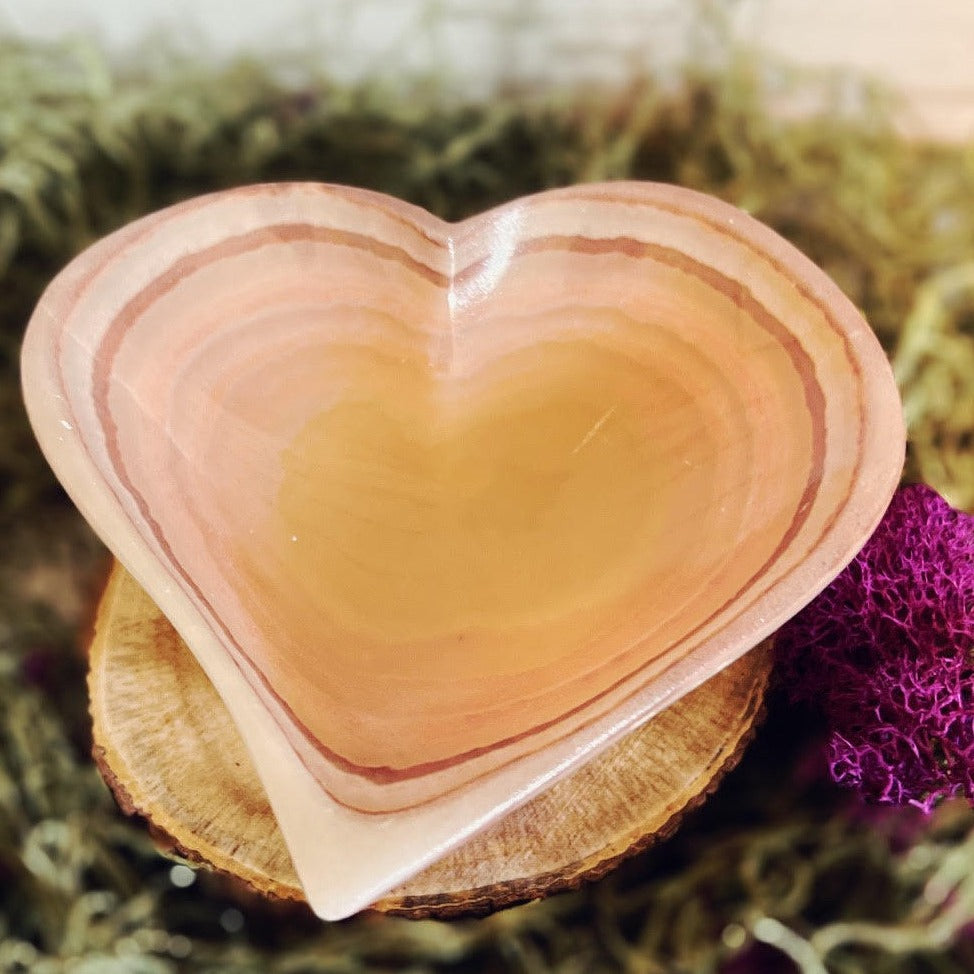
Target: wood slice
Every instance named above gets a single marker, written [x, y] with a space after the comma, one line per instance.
[168, 749]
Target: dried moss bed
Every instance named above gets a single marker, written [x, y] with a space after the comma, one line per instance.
[780, 871]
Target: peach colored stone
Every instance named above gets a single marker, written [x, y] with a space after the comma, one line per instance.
[443, 510]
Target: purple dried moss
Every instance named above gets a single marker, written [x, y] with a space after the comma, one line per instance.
[888, 651]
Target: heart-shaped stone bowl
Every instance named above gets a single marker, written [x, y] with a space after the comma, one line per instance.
[443, 510]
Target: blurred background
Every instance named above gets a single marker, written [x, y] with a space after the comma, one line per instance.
[846, 126]
[921, 49]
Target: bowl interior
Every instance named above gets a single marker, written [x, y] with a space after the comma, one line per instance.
[447, 491]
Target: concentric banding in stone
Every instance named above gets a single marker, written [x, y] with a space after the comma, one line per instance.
[736, 436]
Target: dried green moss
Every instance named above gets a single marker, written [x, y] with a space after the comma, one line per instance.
[778, 865]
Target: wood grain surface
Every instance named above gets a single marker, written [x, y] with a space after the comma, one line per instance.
[168, 748]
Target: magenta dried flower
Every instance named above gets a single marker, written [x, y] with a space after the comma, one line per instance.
[887, 650]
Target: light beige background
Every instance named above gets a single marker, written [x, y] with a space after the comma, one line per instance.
[925, 47]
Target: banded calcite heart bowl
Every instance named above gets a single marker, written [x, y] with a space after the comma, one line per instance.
[444, 509]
